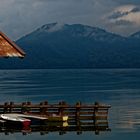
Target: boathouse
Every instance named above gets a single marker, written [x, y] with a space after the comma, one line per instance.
[8, 48]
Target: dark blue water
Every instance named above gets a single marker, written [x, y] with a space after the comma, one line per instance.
[118, 87]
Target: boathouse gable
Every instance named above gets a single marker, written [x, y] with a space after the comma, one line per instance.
[8, 48]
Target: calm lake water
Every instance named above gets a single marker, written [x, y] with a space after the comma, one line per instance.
[118, 87]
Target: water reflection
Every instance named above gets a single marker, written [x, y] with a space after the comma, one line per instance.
[119, 88]
[59, 127]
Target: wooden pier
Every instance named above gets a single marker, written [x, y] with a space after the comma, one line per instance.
[78, 111]
[81, 117]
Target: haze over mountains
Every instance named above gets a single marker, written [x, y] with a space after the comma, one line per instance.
[76, 46]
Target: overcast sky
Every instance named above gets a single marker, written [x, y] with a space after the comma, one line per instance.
[19, 17]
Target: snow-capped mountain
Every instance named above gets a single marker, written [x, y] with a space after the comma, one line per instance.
[52, 27]
[75, 46]
[78, 30]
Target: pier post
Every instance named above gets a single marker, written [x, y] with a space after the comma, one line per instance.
[46, 109]
[11, 107]
[23, 108]
[5, 109]
[96, 117]
[43, 110]
[77, 115]
[77, 118]
[61, 108]
[29, 104]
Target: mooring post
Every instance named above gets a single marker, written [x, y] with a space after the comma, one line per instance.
[77, 115]
[5, 109]
[77, 118]
[28, 106]
[28, 103]
[11, 107]
[43, 110]
[96, 107]
[23, 108]
[61, 108]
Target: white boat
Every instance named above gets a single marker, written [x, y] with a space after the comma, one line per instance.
[16, 115]
[23, 119]
[31, 116]
[16, 119]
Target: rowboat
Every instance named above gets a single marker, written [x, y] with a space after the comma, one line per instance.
[23, 119]
[15, 119]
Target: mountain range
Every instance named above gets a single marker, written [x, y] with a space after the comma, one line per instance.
[75, 46]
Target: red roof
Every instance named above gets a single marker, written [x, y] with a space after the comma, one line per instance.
[8, 48]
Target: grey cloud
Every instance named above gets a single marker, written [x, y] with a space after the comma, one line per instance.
[19, 17]
[127, 1]
[136, 9]
[123, 23]
[23, 16]
[118, 15]
[126, 29]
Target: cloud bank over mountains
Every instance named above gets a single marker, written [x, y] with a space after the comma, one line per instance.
[128, 13]
[19, 17]
[124, 19]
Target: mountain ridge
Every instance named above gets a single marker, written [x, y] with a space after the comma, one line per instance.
[75, 27]
[135, 35]
[76, 46]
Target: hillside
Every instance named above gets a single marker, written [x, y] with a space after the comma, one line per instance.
[76, 46]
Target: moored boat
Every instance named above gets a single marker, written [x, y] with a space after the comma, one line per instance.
[25, 120]
[15, 119]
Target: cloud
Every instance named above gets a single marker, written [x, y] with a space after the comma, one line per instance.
[124, 11]
[126, 2]
[19, 17]
[136, 9]
[127, 14]
[124, 20]
[118, 14]
[123, 23]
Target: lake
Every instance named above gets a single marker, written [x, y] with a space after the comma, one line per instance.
[119, 88]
